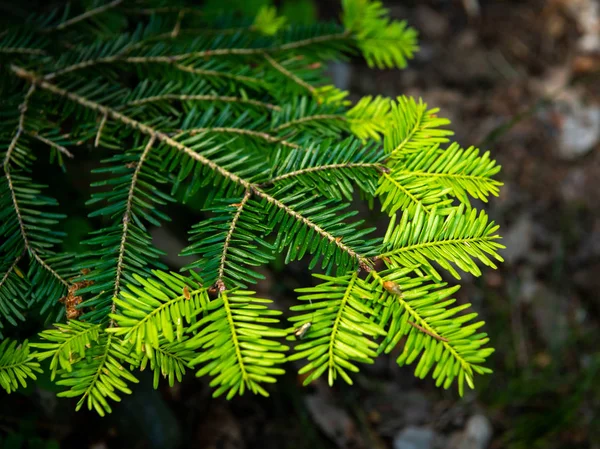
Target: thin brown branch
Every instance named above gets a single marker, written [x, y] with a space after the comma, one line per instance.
[310, 118]
[13, 144]
[135, 124]
[303, 171]
[166, 139]
[177, 26]
[171, 60]
[47, 267]
[363, 261]
[17, 209]
[314, 40]
[281, 69]
[426, 328]
[218, 98]
[82, 65]
[100, 129]
[246, 132]
[162, 9]
[206, 54]
[22, 51]
[28, 246]
[192, 31]
[85, 15]
[20, 128]
[425, 331]
[54, 145]
[127, 220]
[10, 269]
[215, 73]
[220, 284]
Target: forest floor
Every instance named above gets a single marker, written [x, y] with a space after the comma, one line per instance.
[522, 80]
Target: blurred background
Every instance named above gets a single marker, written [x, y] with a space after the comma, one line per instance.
[519, 78]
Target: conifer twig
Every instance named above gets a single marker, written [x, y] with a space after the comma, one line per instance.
[431, 334]
[171, 59]
[310, 118]
[127, 220]
[258, 134]
[303, 171]
[240, 207]
[177, 26]
[426, 208]
[183, 97]
[424, 326]
[10, 269]
[85, 15]
[163, 9]
[54, 145]
[295, 78]
[22, 51]
[215, 73]
[100, 129]
[151, 60]
[20, 129]
[364, 262]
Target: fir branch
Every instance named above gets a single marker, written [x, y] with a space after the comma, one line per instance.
[26, 242]
[17, 209]
[22, 51]
[463, 171]
[314, 40]
[66, 344]
[237, 342]
[84, 16]
[413, 127]
[101, 377]
[16, 365]
[336, 324]
[54, 145]
[342, 329]
[349, 165]
[431, 334]
[217, 74]
[295, 78]
[209, 98]
[276, 173]
[149, 314]
[394, 202]
[198, 55]
[20, 128]
[135, 124]
[100, 129]
[160, 60]
[126, 220]
[246, 246]
[163, 9]
[239, 208]
[456, 239]
[246, 132]
[420, 309]
[310, 118]
[177, 26]
[10, 269]
[234, 337]
[422, 325]
[48, 268]
[148, 130]
[364, 262]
